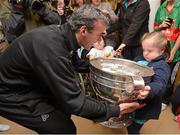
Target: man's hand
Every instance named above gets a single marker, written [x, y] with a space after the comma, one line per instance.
[128, 107]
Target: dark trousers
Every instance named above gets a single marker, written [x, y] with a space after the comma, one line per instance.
[54, 122]
[134, 128]
[175, 100]
[169, 90]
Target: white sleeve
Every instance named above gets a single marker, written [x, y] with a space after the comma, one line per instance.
[92, 52]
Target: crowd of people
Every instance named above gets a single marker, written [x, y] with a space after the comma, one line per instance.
[45, 43]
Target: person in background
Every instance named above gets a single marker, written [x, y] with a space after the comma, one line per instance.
[64, 10]
[106, 9]
[5, 11]
[77, 3]
[153, 45]
[167, 20]
[175, 101]
[37, 78]
[26, 15]
[133, 17]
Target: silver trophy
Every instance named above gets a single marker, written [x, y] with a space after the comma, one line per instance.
[118, 81]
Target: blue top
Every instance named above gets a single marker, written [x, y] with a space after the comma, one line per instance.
[158, 86]
[125, 3]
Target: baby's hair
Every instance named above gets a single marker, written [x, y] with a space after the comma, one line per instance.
[158, 38]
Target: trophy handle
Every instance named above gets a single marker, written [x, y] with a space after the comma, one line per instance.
[138, 82]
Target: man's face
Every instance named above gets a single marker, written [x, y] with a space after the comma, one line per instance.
[88, 38]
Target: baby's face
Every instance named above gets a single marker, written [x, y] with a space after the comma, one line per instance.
[150, 51]
[99, 44]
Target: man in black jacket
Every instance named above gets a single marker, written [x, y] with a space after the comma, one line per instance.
[37, 82]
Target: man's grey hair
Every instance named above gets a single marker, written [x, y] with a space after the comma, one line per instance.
[87, 15]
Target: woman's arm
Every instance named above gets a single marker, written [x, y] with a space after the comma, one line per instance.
[174, 49]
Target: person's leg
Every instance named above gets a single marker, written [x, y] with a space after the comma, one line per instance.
[134, 128]
[169, 89]
[55, 122]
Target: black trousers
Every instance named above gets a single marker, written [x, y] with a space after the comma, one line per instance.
[55, 122]
[169, 90]
[134, 128]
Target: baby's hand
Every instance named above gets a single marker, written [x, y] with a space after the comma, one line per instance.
[144, 93]
[107, 51]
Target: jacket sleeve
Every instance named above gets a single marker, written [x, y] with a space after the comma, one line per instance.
[49, 16]
[140, 16]
[58, 74]
[159, 80]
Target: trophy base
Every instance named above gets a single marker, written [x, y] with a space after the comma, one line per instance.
[116, 122]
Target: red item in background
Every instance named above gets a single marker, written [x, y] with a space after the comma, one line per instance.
[178, 118]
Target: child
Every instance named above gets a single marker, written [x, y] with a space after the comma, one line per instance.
[100, 51]
[153, 45]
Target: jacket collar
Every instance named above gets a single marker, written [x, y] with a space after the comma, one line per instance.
[161, 57]
[125, 3]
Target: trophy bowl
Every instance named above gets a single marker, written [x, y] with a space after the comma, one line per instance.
[117, 81]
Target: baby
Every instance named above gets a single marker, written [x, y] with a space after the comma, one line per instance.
[154, 56]
[100, 51]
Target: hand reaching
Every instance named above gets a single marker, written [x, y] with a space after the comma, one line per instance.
[166, 23]
[119, 50]
[128, 107]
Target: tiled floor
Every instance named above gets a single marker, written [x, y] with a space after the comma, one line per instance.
[165, 125]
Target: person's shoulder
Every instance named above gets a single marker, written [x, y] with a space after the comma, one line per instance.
[42, 29]
[143, 3]
[161, 64]
[177, 4]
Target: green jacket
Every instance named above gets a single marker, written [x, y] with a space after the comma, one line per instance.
[173, 32]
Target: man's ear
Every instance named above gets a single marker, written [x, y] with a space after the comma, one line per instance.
[83, 30]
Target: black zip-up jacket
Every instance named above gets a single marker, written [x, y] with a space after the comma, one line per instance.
[37, 76]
